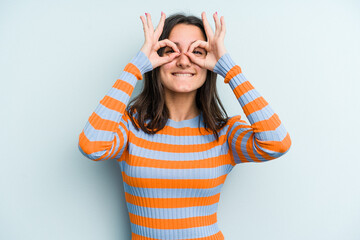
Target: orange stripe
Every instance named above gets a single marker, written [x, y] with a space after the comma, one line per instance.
[90, 147]
[268, 124]
[175, 148]
[113, 104]
[238, 144]
[250, 150]
[171, 202]
[184, 131]
[114, 142]
[232, 159]
[181, 223]
[211, 162]
[286, 142]
[235, 70]
[239, 139]
[120, 134]
[173, 183]
[124, 156]
[255, 105]
[124, 86]
[217, 236]
[131, 68]
[242, 88]
[276, 146]
[102, 124]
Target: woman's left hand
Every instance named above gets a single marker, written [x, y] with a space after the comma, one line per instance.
[214, 46]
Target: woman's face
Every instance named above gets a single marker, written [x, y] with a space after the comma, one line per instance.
[181, 75]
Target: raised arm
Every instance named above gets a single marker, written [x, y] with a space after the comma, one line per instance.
[105, 133]
[266, 138]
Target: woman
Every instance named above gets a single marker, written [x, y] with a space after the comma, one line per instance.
[174, 145]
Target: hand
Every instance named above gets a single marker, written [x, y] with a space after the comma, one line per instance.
[214, 46]
[152, 43]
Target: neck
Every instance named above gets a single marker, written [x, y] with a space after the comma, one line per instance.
[181, 106]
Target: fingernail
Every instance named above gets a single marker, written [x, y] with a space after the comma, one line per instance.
[216, 13]
[162, 12]
[146, 14]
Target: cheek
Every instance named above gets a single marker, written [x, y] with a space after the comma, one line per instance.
[165, 69]
[202, 72]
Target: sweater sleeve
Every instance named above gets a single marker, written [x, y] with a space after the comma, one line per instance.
[266, 138]
[105, 134]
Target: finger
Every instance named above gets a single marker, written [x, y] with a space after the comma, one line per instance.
[173, 56]
[145, 27]
[194, 59]
[160, 26]
[167, 42]
[208, 30]
[167, 58]
[151, 28]
[223, 27]
[217, 24]
[199, 43]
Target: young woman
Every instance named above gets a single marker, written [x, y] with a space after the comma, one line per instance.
[174, 142]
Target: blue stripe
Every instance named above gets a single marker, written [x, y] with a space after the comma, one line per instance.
[196, 232]
[173, 156]
[165, 173]
[94, 155]
[237, 80]
[98, 135]
[119, 95]
[260, 115]
[172, 213]
[128, 77]
[272, 153]
[108, 114]
[276, 135]
[248, 97]
[184, 140]
[242, 146]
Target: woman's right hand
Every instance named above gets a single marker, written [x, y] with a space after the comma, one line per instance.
[152, 43]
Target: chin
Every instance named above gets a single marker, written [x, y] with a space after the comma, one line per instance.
[182, 89]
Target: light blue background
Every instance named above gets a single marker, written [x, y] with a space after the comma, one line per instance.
[59, 58]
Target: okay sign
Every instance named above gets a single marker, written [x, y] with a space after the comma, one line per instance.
[214, 46]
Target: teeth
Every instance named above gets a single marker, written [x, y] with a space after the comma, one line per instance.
[183, 75]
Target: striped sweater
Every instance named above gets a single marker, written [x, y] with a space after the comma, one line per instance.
[172, 179]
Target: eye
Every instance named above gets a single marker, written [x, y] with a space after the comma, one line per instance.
[170, 50]
[198, 52]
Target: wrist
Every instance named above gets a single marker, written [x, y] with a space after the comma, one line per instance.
[142, 62]
[224, 64]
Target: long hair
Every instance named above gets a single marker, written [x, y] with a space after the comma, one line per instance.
[150, 104]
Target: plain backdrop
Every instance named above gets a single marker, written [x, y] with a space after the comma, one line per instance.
[59, 59]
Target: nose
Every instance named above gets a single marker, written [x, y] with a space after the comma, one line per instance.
[183, 61]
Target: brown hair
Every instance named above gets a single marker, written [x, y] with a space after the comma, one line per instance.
[150, 103]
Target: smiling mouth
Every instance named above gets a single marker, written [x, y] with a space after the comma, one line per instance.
[183, 74]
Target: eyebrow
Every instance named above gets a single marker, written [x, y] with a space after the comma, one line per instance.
[177, 44]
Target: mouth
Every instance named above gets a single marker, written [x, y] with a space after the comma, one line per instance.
[183, 74]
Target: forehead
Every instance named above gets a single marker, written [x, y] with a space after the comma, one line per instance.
[183, 34]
